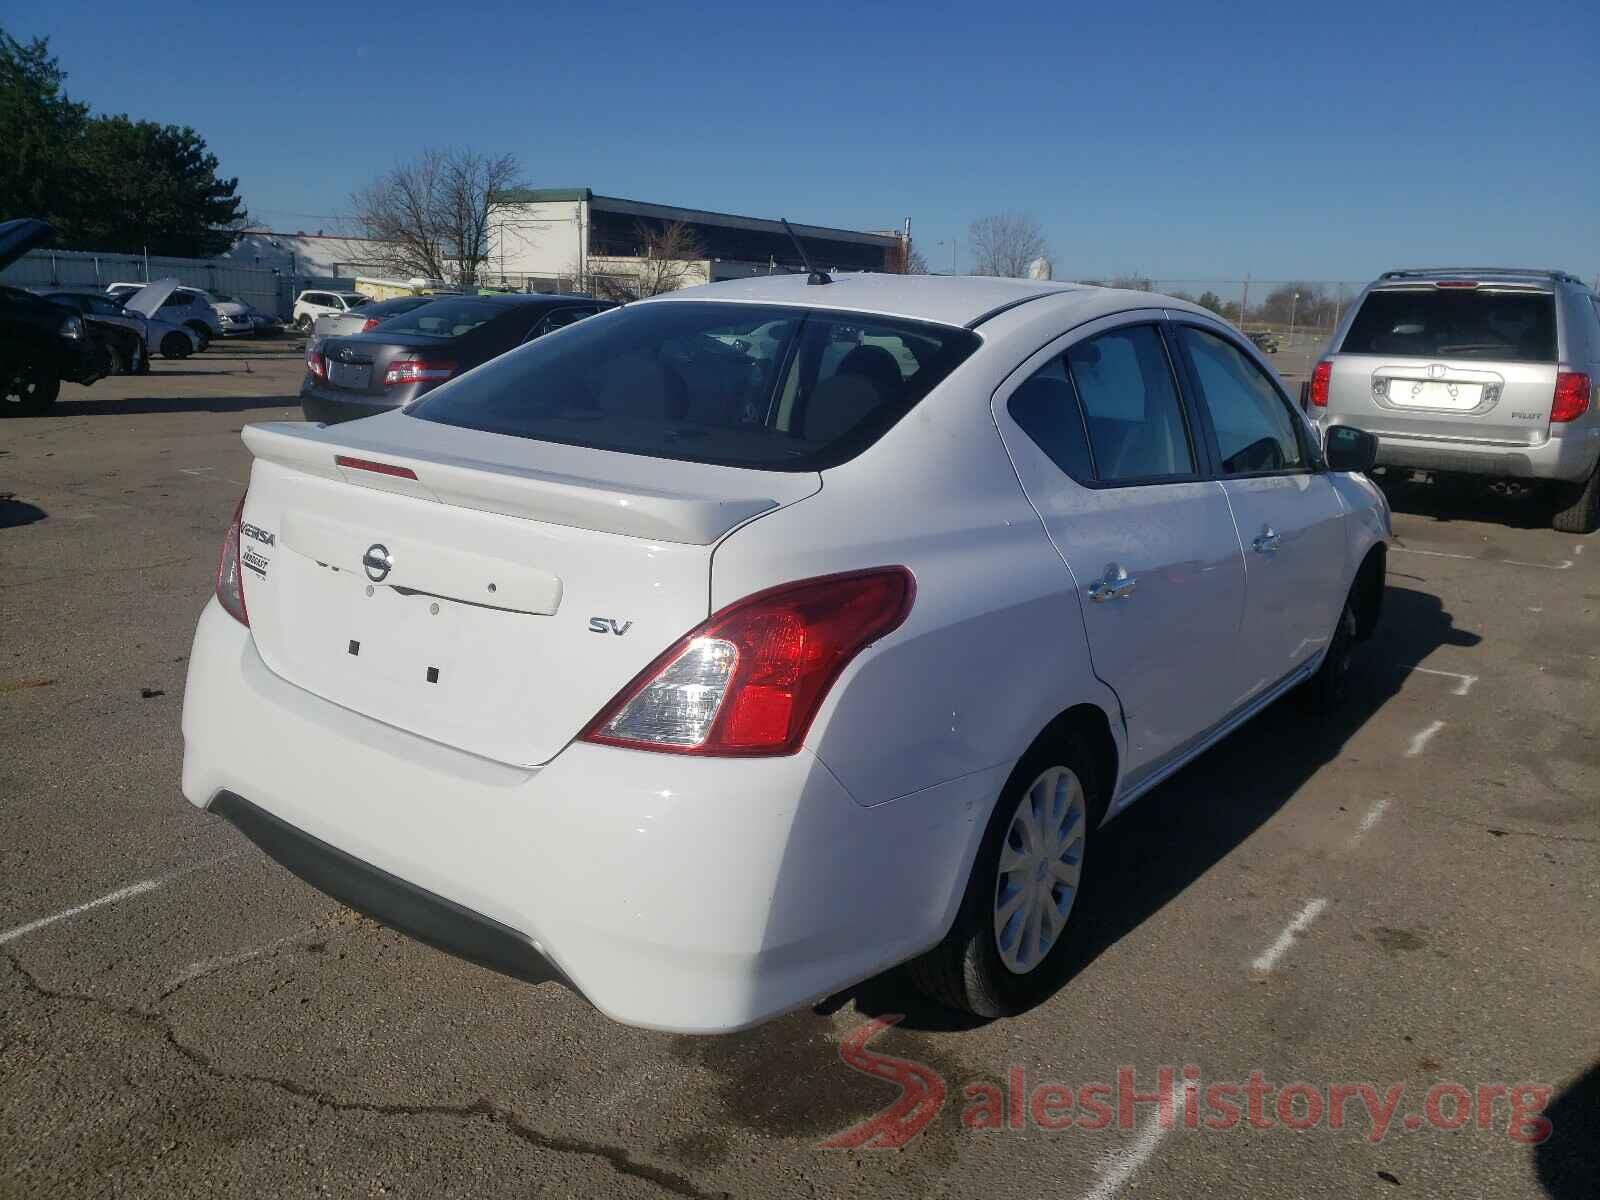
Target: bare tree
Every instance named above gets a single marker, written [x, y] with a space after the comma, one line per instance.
[1006, 244]
[903, 258]
[667, 261]
[431, 217]
[1135, 283]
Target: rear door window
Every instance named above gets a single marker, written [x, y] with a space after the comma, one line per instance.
[789, 389]
[1249, 416]
[1470, 323]
[1130, 404]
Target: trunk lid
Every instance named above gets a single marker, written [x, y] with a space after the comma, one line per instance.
[1460, 359]
[359, 363]
[496, 601]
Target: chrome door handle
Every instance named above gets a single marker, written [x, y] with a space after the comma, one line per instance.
[1116, 586]
[1266, 542]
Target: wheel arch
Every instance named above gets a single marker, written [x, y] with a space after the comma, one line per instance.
[1089, 725]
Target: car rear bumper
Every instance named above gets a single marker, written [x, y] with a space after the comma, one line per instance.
[677, 893]
[1567, 456]
[331, 405]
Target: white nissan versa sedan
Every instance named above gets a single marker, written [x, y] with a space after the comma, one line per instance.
[730, 647]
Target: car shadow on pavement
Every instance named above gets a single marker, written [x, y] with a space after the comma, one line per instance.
[143, 405]
[1471, 500]
[1568, 1162]
[1180, 830]
[14, 512]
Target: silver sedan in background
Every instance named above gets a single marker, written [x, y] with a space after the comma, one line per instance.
[368, 316]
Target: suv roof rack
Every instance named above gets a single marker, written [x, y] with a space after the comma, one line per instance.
[1483, 272]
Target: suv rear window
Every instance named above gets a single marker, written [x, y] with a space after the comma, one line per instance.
[1476, 323]
[767, 387]
[445, 318]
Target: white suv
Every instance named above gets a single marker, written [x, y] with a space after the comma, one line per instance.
[722, 650]
[310, 305]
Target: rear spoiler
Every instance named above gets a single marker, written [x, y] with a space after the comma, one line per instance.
[504, 488]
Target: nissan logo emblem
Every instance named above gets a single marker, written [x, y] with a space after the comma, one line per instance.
[377, 562]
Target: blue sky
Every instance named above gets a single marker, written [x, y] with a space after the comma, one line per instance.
[1179, 140]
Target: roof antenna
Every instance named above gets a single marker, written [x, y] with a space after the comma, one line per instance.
[815, 275]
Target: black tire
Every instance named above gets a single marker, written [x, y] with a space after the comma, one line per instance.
[966, 971]
[1578, 508]
[303, 322]
[28, 390]
[175, 345]
[1325, 691]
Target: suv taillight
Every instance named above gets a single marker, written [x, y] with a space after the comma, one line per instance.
[1319, 384]
[749, 680]
[230, 571]
[1572, 396]
[369, 323]
[314, 363]
[418, 370]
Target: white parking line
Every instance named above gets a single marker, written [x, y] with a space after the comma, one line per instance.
[1122, 1165]
[126, 893]
[1463, 682]
[1269, 957]
[1419, 741]
[210, 965]
[1563, 565]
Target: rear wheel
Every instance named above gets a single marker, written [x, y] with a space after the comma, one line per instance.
[303, 322]
[1012, 932]
[1578, 507]
[27, 390]
[1325, 691]
[175, 345]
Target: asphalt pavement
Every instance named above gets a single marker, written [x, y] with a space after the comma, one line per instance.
[1395, 914]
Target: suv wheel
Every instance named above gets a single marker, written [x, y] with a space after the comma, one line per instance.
[303, 322]
[1578, 507]
[28, 390]
[1011, 933]
[175, 345]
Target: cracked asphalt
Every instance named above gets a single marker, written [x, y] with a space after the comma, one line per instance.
[180, 1017]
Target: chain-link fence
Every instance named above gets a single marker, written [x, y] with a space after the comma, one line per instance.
[1301, 307]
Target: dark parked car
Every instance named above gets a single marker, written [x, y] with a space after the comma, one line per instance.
[369, 373]
[41, 343]
[123, 333]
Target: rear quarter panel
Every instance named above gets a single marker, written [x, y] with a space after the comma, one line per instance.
[994, 647]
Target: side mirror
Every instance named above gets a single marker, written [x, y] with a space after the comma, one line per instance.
[1347, 448]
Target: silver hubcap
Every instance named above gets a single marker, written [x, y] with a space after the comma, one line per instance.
[1041, 862]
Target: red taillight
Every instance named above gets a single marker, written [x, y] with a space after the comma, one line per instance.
[366, 464]
[1572, 396]
[418, 370]
[1319, 384]
[369, 323]
[314, 363]
[750, 679]
[230, 571]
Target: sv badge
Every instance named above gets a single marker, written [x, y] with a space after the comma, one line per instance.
[607, 625]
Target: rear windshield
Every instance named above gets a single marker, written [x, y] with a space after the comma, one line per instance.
[1429, 323]
[354, 300]
[784, 389]
[445, 318]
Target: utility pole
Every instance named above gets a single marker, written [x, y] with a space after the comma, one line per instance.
[1244, 304]
[1292, 305]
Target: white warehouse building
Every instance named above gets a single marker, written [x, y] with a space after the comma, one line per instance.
[547, 237]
